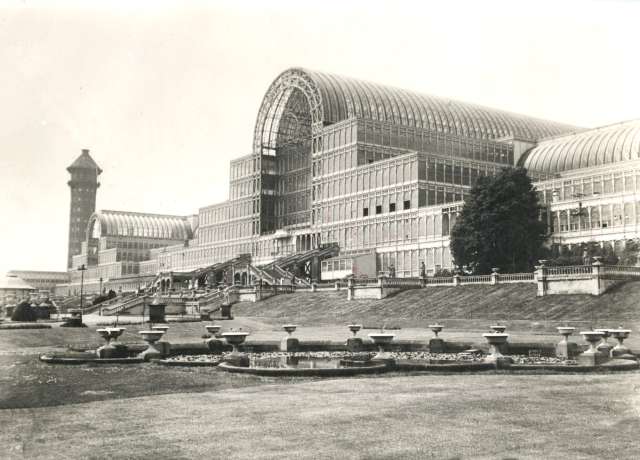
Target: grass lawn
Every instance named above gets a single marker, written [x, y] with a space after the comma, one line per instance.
[149, 411]
[490, 416]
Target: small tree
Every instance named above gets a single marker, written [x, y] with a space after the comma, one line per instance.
[499, 225]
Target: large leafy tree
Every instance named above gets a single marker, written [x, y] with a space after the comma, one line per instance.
[499, 225]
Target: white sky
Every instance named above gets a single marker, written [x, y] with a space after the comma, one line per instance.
[166, 93]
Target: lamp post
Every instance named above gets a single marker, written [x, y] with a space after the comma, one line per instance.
[82, 269]
[100, 293]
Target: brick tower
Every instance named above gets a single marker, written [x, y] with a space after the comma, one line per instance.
[83, 184]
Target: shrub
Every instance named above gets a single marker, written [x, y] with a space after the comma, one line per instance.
[24, 312]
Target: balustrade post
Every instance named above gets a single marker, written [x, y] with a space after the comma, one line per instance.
[597, 270]
[494, 275]
[456, 280]
[541, 278]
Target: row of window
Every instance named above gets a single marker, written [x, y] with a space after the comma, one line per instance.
[407, 263]
[418, 139]
[243, 167]
[595, 217]
[239, 189]
[227, 211]
[403, 230]
[598, 184]
[406, 204]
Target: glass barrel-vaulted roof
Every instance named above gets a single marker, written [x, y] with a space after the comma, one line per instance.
[332, 98]
[595, 147]
[122, 223]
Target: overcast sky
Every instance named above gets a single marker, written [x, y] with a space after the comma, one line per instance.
[164, 94]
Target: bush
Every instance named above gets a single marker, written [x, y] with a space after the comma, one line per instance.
[24, 312]
[99, 299]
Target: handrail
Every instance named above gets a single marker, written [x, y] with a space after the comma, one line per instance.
[475, 279]
[570, 270]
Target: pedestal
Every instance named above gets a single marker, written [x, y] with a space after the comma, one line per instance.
[591, 358]
[225, 311]
[604, 347]
[355, 344]
[75, 320]
[436, 345]
[289, 344]
[152, 352]
[566, 349]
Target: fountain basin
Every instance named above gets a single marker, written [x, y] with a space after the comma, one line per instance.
[495, 341]
[436, 328]
[310, 368]
[498, 328]
[354, 328]
[381, 339]
[164, 329]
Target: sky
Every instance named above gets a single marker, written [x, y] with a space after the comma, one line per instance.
[165, 94]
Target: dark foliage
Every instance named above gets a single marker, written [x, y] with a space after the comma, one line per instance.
[24, 312]
[499, 225]
[104, 297]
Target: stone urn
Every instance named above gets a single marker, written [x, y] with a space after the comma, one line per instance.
[496, 340]
[290, 328]
[498, 328]
[621, 351]
[116, 332]
[381, 339]
[235, 339]
[564, 348]
[151, 337]
[603, 346]
[436, 328]
[592, 356]
[436, 344]
[354, 328]
[289, 343]
[213, 329]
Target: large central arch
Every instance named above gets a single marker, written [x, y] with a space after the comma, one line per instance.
[290, 117]
[288, 88]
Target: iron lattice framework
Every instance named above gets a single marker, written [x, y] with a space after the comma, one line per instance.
[276, 101]
[332, 98]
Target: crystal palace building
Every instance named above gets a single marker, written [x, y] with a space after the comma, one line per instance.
[371, 169]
